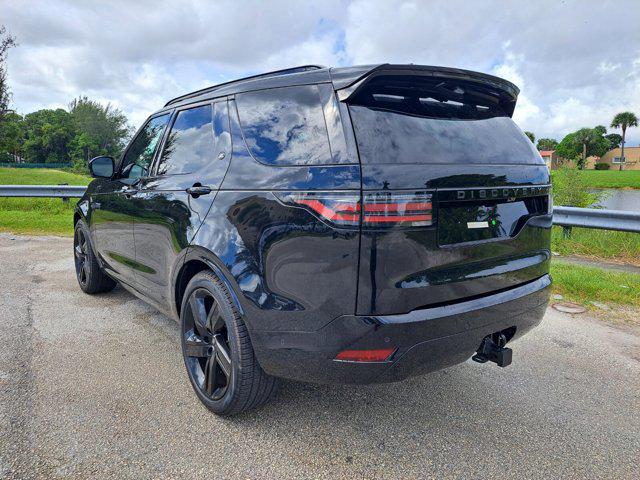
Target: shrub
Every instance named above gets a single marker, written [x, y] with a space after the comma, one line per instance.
[602, 166]
[570, 189]
[79, 166]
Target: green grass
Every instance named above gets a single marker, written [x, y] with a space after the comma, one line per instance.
[610, 178]
[49, 216]
[586, 284]
[598, 244]
[40, 176]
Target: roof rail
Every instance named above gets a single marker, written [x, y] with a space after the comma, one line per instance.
[275, 73]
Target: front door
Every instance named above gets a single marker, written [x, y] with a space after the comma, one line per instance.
[113, 210]
[173, 201]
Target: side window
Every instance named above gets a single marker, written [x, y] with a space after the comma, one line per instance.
[285, 126]
[136, 161]
[190, 144]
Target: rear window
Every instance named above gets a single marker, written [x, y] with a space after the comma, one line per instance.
[436, 121]
[285, 126]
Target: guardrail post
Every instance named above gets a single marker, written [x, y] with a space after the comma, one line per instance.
[566, 232]
[64, 199]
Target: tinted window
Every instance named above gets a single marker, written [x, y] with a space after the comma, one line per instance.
[140, 153]
[409, 119]
[190, 144]
[285, 126]
[392, 137]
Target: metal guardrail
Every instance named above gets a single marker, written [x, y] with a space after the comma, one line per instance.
[620, 220]
[42, 191]
[566, 217]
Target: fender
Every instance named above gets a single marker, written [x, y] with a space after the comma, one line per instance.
[196, 252]
[82, 208]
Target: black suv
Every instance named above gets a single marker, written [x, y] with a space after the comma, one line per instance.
[354, 225]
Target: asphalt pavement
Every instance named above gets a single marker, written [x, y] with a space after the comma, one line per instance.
[95, 387]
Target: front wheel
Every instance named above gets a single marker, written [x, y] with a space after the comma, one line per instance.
[217, 351]
[90, 276]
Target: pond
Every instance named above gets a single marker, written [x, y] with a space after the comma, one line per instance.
[620, 199]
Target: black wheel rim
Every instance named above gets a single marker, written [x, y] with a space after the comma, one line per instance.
[206, 345]
[80, 249]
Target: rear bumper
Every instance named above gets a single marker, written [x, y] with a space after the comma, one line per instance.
[427, 339]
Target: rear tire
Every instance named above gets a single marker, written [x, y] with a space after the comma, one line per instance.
[217, 350]
[90, 276]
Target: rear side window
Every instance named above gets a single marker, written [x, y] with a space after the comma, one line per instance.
[190, 143]
[285, 126]
[412, 120]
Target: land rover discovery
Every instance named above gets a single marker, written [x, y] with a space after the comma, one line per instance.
[336, 225]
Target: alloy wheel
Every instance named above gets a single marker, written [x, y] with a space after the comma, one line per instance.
[80, 251]
[206, 345]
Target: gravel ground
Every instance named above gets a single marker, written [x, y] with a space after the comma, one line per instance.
[95, 387]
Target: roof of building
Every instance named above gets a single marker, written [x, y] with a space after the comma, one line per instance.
[546, 153]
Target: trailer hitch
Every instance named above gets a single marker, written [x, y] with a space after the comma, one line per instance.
[492, 349]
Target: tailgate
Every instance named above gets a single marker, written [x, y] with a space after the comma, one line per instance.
[474, 247]
[448, 137]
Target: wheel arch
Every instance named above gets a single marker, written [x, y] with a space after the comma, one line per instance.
[81, 210]
[195, 261]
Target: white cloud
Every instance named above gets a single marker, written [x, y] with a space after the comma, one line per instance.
[608, 67]
[509, 69]
[574, 65]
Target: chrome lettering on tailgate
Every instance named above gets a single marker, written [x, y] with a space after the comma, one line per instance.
[508, 193]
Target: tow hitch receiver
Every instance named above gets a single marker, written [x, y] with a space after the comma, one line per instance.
[492, 349]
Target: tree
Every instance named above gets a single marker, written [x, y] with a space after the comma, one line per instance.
[11, 135]
[614, 140]
[101, 130]
[583, 143]
[547, 144]
[624, 120]
[568, 148]
[47, 135]
[531, 136]
[584, 137]
[6, 42]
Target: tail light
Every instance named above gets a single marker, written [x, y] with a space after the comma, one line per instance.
[413, 209]
[383, 209]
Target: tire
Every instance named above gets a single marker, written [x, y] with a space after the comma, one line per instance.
[90, 276]
[217, 350]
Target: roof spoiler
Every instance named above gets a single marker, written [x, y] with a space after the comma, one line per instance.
[507, 90]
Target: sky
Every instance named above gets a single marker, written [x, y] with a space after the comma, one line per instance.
[577, 63]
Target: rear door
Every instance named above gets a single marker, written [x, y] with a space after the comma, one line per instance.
[174, 199]
[456, 199]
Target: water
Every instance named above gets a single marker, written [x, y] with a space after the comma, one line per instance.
[621, 199]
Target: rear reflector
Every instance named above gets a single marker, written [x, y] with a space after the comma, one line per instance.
[383, 209]
[378, 355]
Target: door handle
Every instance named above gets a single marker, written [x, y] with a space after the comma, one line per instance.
[198, 190]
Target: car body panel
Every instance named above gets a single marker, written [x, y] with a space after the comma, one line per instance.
[273, 251]
[167, 217]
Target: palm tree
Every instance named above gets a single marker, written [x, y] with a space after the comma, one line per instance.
[623, 120]
[584, 137]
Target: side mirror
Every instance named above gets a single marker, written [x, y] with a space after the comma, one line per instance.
[102, 167]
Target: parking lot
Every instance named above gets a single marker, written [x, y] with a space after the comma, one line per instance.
[95, 387]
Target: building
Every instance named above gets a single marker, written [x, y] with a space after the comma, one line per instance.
[550, 158]
[632, 156]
